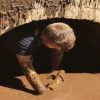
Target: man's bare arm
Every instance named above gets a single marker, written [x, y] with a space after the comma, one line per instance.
[56, 58]
[57, 74]
[30, 73]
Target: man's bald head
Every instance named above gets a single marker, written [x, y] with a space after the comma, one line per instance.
[61, 34]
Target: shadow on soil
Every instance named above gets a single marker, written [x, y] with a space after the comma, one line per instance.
[85, 57]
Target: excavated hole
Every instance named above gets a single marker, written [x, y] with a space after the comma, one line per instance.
[85, 57]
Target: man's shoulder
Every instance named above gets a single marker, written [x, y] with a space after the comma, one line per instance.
[24, 45]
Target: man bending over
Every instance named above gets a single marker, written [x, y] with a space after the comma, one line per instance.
[58, 36]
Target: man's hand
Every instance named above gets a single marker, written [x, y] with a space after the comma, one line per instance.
[56, 78]
[33, 78]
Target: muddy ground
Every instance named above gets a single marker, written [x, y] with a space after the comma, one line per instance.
[79, 86]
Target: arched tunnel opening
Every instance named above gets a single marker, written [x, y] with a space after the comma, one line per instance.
[84, 57]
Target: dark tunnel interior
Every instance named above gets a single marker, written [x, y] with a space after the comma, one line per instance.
[83, 58]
